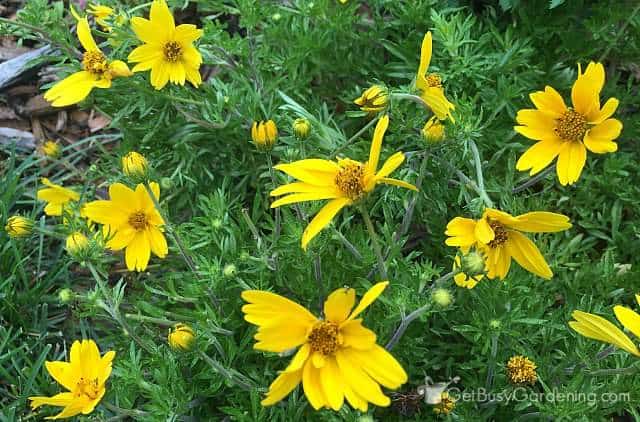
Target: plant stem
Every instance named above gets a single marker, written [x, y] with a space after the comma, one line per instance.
[144, 318]
[350, 247]
[612, 43]
[236, 378]
[404, 324]
[356, 136]
[172, 232]
[410, 97]
[535, 179]
[272, 173]
[70, 52]
[374, 242]
[617, 371]
[317, 273]
[124, 412]
[478, 163]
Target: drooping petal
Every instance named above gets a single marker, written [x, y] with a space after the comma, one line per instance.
[483, 231]
[281, 387]
[61, 399]
[539, 156]
[85, 37]
[332, 381]
[322, 219]
[571, 160]
[399, 183]
[379, 365]
[390, 165]
[368, 298]
[358, 380]
[138, 252]
[527, 254]
[541, 222]
[158, 242]
[376, 144]
[339, 304]
[436, 100]
[461, 232]
[312, 386]
[318, 194]
[599, 139]
[598, 328]
[299, 359]
[71, 90]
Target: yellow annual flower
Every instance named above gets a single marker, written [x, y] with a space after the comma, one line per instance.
[598, 328]
[499, 237]
[264, 134]
[567, 132]
[447, 404]
[84, 376]
[430, 84]
[433, 131]
[134, 165]
[131, 222]
[50, 149]
[101, 14]
[181, 337]
[97, 72]
[521, 370]
[56, 196]
[168, 49]
[76, 243]
[344, 182]
[337, 357]
[373, 99]
[18, 226]
[301, 128]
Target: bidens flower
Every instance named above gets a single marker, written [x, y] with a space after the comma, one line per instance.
[598, 328]
[468, 276]
[18, 226]
[76, 243]
[97, 72]
[264, 134]
[337, 358]
[131, 222]
[521, 370]
[50, 149]
[134, 165]
[181, 337]
[566, 132]
[430, 84]
[56, 196]
[344, 182]
[101, 14]
[168, 49]
[373, 99]
[84, 376]
[499, 238]
[433, 131]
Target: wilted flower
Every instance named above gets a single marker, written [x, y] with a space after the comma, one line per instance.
[181, 337]
[521, 370]
[101, 14]
[264, 134]
[18, 226]
[301, 128]
[373, 99]
[135, 166]
[430, 84]
[433, 131]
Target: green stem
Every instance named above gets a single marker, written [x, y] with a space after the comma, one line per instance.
[374, 242]
[140, 6]
[70, 52]
[144, 318]
[478, 164]
[272, 173]
[535, 179]
[236, 378]
[124, 412]
[612, 43]
[350, 247]
[410, 97]
[356, 136]
[617, 371]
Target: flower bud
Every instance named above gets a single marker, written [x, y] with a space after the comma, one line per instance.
[373, 99]
[473, 264]
[65, 296]
[433, 131]
[135, 166]
[51, 149]
[301, 128]
[229, 270]
[166, 183]
[76, 244]
[442, 297]
[264, 134]
[181, 337]
[18, 226]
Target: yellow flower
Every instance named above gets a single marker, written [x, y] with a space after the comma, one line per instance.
[181, 337]
[56, 196]
[447, 404]
[101, 14]
[168, 49]
[433, 131]
[465, 278]
[598, 328]
[430, 84]
[18, 226]
[344, 182]
[373, 99]
[301, 128]
[337, 357]
[132, 222]
[565, 132]
[499, 237]
[76, 243]
[521, 370]
[264, 134]
[97, 72]
[134, 165]
[51, 149]
[84, 376]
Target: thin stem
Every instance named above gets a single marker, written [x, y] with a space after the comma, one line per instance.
[124, 412]
[172, 232]
[356, 136]
[617, 371]
[374, 242]
[410, 97]
[535, 179]
[611, 44]
[350, 247]
[404, 324]
[272, 173]
[492, 362]
[252, 227]
[144, 318]
[70, 52]
[408, 216]
[317, 273]
[140, 6]
[232, 376]
[478, 163]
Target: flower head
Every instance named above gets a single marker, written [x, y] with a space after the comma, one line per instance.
[499, 238]
[181, 337]
[521, 370]
[374, 99]
[598, 328]
[301, 128]
[337, 356]
[264, 134]
[168, 49]
[56, 196]
[568, 132]
[430, 84]
[469, 275]
[344, 182]
[76, 243]
[433, 131]
[131, 222]
[50, 149]
[134, 165]
[18, 226]
[97, 72]
[101, 14]
[84, 376]
[447, 405]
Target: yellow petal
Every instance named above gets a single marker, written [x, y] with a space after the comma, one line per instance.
[322, 219]
[138, 252]
[281, 387]
[390, 165]
[319, 193]
[356, 336]
[358, 380]
[549, 101]
[380, 365]
[571, 160]
[146, 32]
[399, 183]
[187, 33]
[161, 16]
[527, 254]
[119, 68]
[598, 328]
[483, 231]
[585, 93]
[85, 37]
[298, 187]
[436, 100]
[299, 359]
[312, 171]
[539, 156]
[368, 298]
[599, 139]
[376, 144]
[628, 318]
[331, 381]
[339, 304]
[158, 242]
[61, 399]
[425, 54]
[607, 111]
[541, 222]
[71, 90]
[62, 373]
[312, 387]
[461, 232]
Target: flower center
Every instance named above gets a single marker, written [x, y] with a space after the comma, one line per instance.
[138, 220]
[500, 234]
[172, 51]
[571, 126]
[350, 179]
[94, 62]
[434, 80]
[324, 338]
[85, 387]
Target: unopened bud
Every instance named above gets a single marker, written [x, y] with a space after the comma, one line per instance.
[18, 226]
[301, 128]
[135, 166]
[433, 131]
[181, 337]
[442, 297]
[373, 99]
[264, 134]
[229, 270]
[65, 296]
